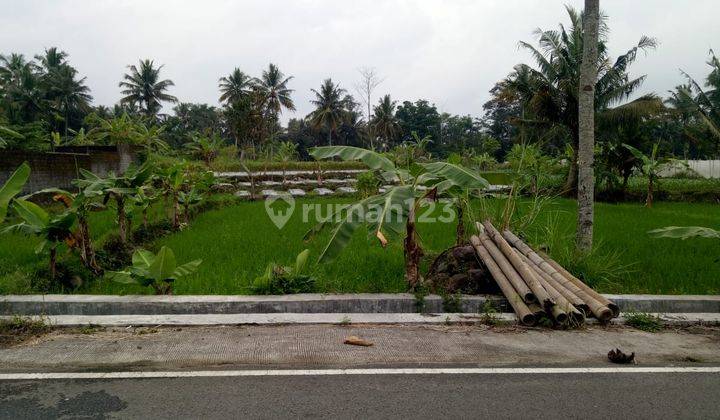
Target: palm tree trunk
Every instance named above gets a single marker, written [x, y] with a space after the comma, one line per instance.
[586, 132]
[570, 187]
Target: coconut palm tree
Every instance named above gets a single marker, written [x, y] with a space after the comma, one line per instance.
[384, 123]
[20, 88]
[236, 86]
[549, 93]
[142, 86]
[275, 92]
[52, 59]
[69, 94]
[705, 103]
[330, 104]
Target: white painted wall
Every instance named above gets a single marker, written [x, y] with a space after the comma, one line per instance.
[705, 168]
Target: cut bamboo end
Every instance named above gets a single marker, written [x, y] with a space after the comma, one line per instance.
[528, 319]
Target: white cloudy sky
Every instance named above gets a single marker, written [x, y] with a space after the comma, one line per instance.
[450, 52]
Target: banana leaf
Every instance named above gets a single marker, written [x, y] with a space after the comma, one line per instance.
[12, 187]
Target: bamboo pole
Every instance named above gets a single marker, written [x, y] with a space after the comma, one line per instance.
[513, 277]
[571, 297]
[538, 311]
[597, 307]
[567, 310]
[522, 311]
[587, 289]
[522, 268]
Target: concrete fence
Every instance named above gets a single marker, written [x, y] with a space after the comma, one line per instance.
[704, 168]
[59, 168]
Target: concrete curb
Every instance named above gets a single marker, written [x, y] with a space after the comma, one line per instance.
[334, 318]
[397, 303]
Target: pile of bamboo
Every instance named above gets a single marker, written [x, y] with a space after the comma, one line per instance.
[536, 286]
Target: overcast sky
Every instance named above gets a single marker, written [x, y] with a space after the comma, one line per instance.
[450, 52]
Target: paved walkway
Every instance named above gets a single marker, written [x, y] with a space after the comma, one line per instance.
[316, 346]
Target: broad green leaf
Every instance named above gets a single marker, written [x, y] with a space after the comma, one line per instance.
[142, 258]
[458, 175]
[638, 154]
[372, 159]
[10, 133]
[48, 191]
[163, 266]
[343, 232]
[393, 211]
[42, 247]
[120, 277]
[186, 269]
[301, 261]
[12, 187]
[31, 213]
[685, 232]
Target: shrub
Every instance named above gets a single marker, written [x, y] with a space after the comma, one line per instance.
[367, 185]
[281, 280]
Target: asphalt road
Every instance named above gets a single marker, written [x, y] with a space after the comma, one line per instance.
[585, 395]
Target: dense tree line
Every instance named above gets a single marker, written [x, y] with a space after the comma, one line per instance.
[44, 102]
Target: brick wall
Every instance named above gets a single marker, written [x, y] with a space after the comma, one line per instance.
[59, 168]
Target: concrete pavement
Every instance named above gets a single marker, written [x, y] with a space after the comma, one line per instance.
[321, 346]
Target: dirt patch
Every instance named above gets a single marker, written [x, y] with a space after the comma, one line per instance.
[19, 330]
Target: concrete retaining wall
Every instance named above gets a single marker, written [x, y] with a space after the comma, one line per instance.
[309, 303]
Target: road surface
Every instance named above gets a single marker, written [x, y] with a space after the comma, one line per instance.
[512, 394]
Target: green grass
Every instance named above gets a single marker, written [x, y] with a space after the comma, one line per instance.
[237, 242]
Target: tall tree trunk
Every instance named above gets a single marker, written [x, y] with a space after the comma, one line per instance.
[122, 218]
[413, 251]
[586, 132]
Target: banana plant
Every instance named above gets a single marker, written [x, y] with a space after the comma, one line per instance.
[142, 202]
[121, 188]
[158, 271]
[650, 167]
[52, 229]
[79, 204]
[12, 187]
[204, 147]
[172, 180]
[390, 213]
[187, 199]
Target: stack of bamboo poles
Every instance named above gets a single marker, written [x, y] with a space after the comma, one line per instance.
[536, 286]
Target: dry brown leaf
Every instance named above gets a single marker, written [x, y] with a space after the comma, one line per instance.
[357, 341]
